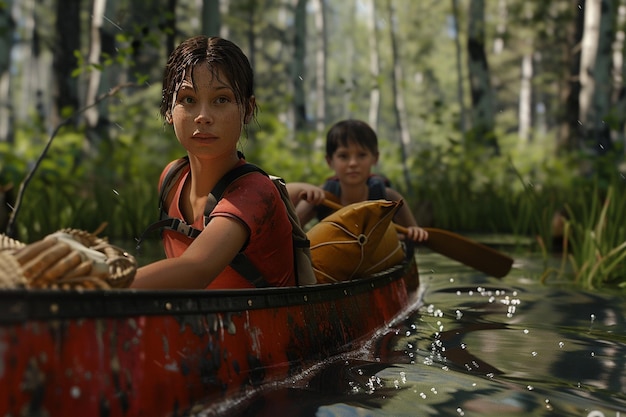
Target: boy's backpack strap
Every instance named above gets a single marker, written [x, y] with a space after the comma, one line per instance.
[376, 183]
[377, 187]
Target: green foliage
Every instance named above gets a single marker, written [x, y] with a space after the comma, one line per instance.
[84, 183]
[595, 243]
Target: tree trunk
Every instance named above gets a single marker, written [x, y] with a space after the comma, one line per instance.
[348, 58]
[211, 18]
[498, 43]
[298, 74]
[6, 109]
[95, 46]
[224, 10]
[483, 97]
[619, 69]
[595, 74]
[569, 132]
[170, 23]
[459, 69]
[399, 106]
[320, 73]
[64, 62]
[525, 98]
[374, 106]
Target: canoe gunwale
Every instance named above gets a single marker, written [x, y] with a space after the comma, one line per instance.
[20, 305]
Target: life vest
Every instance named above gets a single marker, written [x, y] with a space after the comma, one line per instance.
[377, 185]
[301, 246]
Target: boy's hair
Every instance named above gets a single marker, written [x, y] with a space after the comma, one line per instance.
[220, 55]
[346, 131]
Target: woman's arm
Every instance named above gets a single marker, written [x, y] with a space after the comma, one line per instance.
[201, 263]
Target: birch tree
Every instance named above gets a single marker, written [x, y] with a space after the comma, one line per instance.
[349, 57]
[399, 106]
[374, 66]
[525, 98]
[619, 70]
[595, 73]
[320, 71]
[95, 75]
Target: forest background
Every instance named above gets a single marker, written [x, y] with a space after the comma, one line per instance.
[492, 115]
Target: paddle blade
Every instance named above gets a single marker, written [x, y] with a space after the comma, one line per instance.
[469, 252]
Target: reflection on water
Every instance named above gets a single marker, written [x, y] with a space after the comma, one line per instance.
[477, 346]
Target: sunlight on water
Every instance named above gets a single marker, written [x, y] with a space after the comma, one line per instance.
[476, 346]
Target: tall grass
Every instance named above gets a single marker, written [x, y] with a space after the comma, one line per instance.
[595, 243]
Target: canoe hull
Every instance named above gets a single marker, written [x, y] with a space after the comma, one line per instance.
[127, 353]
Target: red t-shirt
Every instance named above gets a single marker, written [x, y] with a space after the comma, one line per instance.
[253, 200]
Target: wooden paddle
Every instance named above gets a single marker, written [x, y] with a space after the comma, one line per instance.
[454, 246]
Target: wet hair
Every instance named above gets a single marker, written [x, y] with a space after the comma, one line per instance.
[220, 55]
[351, 131]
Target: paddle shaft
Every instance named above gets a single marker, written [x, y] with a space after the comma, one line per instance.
[471, 253]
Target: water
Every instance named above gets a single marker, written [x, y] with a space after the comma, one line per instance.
[475, 346]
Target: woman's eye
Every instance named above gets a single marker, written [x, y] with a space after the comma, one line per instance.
[222, 100]
[186, 99]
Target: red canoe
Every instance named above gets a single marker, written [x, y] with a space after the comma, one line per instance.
[156, 353]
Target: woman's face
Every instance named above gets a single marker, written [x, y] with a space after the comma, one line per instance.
[205, 114]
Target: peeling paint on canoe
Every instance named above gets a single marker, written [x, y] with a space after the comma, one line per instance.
[167, 360]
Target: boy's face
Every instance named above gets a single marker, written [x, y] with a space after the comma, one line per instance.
[352, 163]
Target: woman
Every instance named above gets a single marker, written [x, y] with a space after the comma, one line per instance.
[208, 98]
